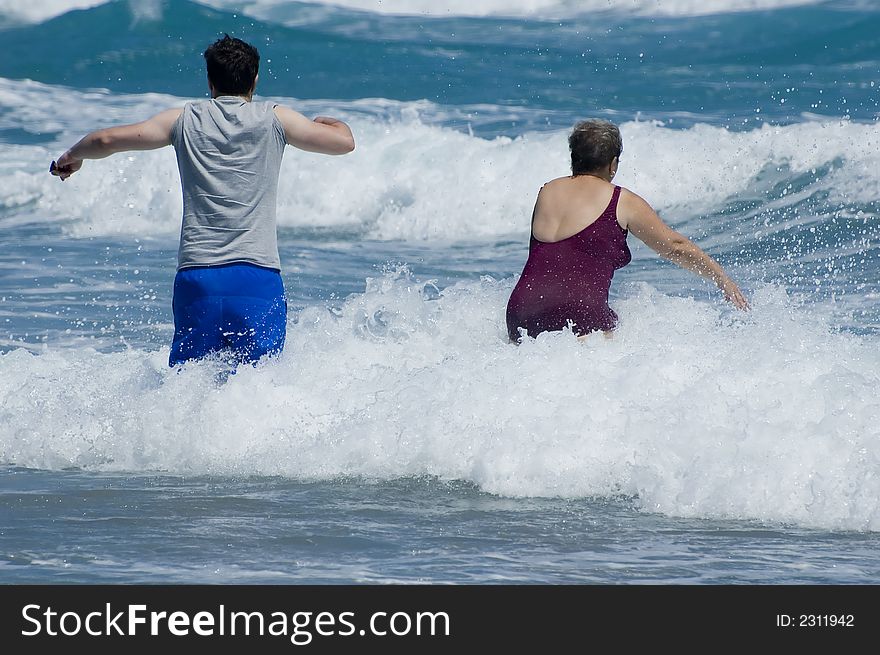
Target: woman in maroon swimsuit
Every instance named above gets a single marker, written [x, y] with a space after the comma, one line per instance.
[579, 229]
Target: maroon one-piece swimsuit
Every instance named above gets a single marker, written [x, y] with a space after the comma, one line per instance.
[566, 282]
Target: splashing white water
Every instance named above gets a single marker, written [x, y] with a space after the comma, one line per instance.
[693, 410]
[553, 8]
[412, 179]
[36, 12]
[532, 8]
[21, 11]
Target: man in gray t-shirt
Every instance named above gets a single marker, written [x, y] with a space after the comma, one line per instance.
[228, 294]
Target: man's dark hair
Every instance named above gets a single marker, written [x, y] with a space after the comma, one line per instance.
[594, 144]
[232, 66]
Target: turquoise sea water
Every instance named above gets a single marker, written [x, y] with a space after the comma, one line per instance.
[399, 438]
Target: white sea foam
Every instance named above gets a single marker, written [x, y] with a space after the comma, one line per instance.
[768, 416]
[411, 178]
[34, 12]
[22, 11]
[529, 8]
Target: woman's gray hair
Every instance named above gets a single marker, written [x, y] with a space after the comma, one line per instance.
[593, 143]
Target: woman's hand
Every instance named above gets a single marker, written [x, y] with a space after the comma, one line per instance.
[732, 293]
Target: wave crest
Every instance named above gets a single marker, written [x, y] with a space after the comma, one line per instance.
[693, 409]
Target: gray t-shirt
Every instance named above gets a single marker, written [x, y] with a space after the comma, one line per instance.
[229, 154]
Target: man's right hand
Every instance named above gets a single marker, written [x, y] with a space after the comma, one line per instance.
[65, 166]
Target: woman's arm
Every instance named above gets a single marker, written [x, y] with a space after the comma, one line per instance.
[640, 219]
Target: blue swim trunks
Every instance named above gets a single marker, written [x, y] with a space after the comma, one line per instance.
[238, 308]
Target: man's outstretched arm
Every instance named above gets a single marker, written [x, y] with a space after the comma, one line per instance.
[324, 135]
[152, 133]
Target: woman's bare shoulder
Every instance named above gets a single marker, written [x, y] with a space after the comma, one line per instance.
[557, 182]
[555, 188]
[631, 199]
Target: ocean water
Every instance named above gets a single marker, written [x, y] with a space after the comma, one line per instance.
[399, 438]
